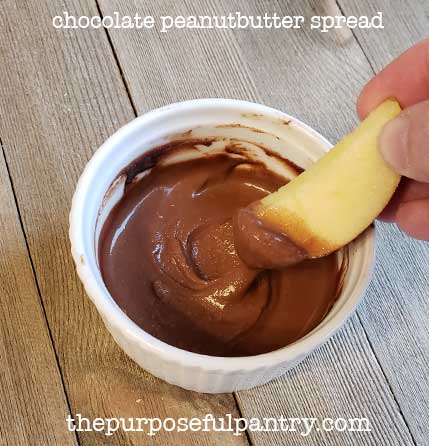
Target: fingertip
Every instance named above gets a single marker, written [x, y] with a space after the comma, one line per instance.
[362, 106]
[405, 79]
[412, 217]
[387, 217]
[388, 214]
[359, 107]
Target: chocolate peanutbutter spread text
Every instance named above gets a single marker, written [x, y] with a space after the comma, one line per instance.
[167, 254]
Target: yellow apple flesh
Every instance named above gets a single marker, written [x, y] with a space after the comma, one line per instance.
[340, 195]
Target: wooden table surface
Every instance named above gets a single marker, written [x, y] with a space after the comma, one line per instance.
[62, 93]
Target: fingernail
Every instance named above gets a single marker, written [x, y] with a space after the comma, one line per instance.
[393, 143]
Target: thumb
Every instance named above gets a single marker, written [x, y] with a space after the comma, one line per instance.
[404, 142]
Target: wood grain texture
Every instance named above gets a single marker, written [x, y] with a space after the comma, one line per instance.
[161, 68]
[341, 380]
[275, 67]
[314, 77]
[61, 96]
[396, 312]
[406, 22]
[32, 403]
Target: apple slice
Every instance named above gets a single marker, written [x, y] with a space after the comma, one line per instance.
[335, 199]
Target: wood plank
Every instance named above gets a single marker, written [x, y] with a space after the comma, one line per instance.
[342, 380]
[33, 405]
[244, 64]
[61, 95]
[405, 23]
[163, 67]
[396, 312]
[302, 72]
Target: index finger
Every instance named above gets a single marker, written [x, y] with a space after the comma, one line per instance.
[405, 79]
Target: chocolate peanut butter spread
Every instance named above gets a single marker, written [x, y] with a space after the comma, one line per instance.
[261, 246]
[167, 253]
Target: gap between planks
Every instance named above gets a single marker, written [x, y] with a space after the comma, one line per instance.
[33, 272]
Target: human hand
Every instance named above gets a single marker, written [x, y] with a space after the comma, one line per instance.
[404, 142]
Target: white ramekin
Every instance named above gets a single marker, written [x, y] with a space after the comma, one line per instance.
[190, 370]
